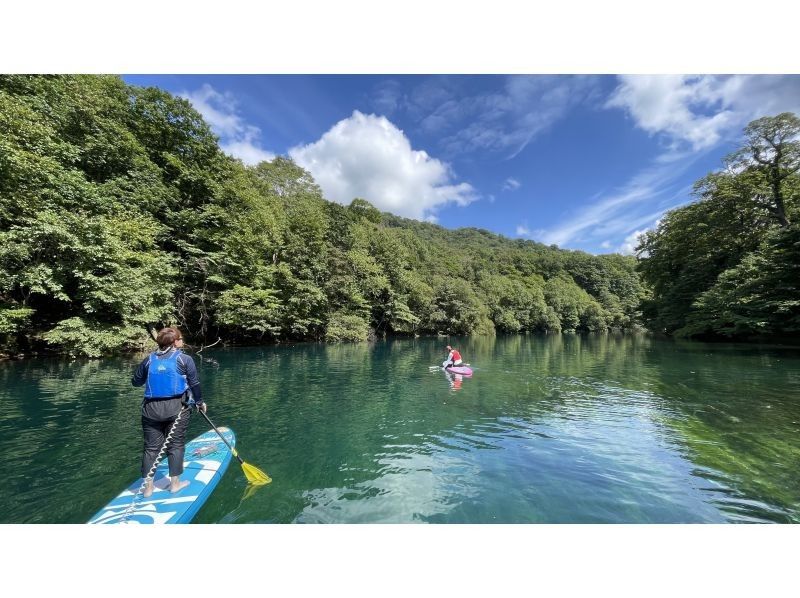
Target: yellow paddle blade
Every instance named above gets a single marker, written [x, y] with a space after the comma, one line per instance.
[254, 475]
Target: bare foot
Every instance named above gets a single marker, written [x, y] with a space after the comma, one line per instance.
[178, 486]
[148, 489]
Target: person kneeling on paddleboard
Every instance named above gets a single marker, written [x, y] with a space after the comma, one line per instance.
[453, 358]
[169, 377]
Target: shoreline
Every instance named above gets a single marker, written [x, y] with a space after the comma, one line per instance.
[781, 343]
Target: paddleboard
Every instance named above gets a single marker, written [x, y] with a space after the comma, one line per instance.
[463, 370]
[205, 461]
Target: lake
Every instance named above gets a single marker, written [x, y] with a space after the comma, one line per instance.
[606, 428]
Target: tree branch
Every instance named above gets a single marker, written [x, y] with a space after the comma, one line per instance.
[211, 345]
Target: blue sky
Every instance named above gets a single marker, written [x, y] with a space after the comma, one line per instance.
[581, 161]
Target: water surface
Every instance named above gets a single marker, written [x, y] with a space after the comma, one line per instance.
[552, 429]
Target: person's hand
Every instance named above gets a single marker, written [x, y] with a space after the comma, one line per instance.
[202, 407]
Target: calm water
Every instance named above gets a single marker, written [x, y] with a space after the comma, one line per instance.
[589, 429]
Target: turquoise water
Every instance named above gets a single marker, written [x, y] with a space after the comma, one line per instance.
[551, 429]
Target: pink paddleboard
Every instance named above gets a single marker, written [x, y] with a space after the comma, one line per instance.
[461, 369]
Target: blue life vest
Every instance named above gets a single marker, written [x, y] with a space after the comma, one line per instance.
[163, 379]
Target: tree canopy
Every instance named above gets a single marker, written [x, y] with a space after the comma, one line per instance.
[728, 265]
[119, 213]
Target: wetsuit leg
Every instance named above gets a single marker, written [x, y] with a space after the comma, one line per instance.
[177, 445]
[157, 419]
[154, 434]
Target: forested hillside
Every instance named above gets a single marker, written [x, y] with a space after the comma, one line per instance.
[728, 265]
[119, 213]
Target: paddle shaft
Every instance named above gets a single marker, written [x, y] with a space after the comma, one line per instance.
[235, 454]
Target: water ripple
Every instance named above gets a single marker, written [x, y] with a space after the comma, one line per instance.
[593, 429]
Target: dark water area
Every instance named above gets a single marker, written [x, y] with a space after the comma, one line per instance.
[551, 429]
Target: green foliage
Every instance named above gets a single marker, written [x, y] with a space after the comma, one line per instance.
[13, 320]
[760, 296]
[574, 307]
[457, 309]
[119, 213]
[515, 305]
[80, 336]
[343, 326]
[252, 310]
[361, 208]
[723, 265]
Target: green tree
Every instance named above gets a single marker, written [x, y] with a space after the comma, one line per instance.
[252, 310]
[119, 213]
[758, 297]
[772, 153]
[703, 256]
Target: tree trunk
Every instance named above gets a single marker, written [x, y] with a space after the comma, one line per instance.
[777, 196]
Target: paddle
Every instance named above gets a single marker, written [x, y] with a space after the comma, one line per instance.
[253, 474]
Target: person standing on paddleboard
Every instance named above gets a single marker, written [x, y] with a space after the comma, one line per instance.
[453, 358]
[168, 376]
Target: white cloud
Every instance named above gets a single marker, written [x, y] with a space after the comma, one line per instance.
[511, 184]
[367, 156]
[387, 97]
[247, 151]
[523, 231]
[506, 120]
[640, 202]
[628, 246]
[694, 114]
[640, 189]
[701, 111]
[237, 138]
[528, 105]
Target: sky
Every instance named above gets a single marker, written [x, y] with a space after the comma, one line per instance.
[585, 162]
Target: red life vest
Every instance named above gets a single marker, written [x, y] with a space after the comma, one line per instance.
[456, 356]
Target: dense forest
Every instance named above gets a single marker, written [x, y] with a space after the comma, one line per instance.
[728, 265]
[119, 213]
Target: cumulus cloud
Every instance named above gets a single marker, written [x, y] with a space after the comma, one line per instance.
[702, 111]
[523, 231]
[237, 138]
[511, 184]
[367, 156]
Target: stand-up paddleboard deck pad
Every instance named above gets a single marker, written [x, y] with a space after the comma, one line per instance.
[205, 461]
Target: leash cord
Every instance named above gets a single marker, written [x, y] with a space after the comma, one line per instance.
[150, 474]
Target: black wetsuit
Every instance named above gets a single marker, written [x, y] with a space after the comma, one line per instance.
[158, 415]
